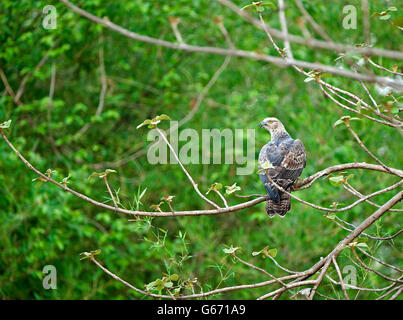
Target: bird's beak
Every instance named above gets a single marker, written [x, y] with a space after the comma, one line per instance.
[261, 124]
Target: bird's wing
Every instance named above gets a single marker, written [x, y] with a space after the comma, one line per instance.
[275, 154]
[293, 162]
[269, 153]
[288, 161]
[271, 190]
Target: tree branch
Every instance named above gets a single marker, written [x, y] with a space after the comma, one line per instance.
[232, 52]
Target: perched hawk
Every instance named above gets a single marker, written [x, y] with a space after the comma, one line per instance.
[286, 160]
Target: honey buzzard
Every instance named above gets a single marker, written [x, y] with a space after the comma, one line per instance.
[286, 160]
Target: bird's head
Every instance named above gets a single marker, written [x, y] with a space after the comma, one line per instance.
[273, 125]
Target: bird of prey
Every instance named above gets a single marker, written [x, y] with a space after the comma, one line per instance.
[284, 159]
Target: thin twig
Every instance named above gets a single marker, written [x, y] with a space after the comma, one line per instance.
[354, 191]
[340, 278]
[259, 269]
[9, 90]
[379, 261]
[366, 23]
[373, 270]
[357, 138]
[110, 192]
[314, 43]
[194, 212]
[237, 53]
[383, 68]
[185, 171]
[334, 209]
[290, 285]
[174, 24]
[222, 197]
[284, 28]
[193, 296]
[364, 234]
[320, 278]
[51, 92]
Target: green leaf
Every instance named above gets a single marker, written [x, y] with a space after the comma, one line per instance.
[214, 187]
[107, 171]
[151, 285]
[162, 117]
[352, 244]
[362, 245]
[65, 180]
[168, 198]
[304, 292]
[346, 120]
[395, 67]
[102, 174]
[173, 277]
[231, 250]
[232, 189]
[88, 255]
[160, 284]
[331, 216]
[336, 181]
[309, 79]
[338, 122]
[385, 17]
[248, 6]
[42, 180]
[266, 165]
[156, 207]
[5, 125]
[39, 179]
[272, 253]
[49, 172]
[259, 6]
[266, 251]
[145, 122]
[153, 122]
[94, 174]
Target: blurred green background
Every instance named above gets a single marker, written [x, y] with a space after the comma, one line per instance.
[45, 226]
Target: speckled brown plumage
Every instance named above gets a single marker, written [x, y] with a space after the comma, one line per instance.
[287, 160]
[280, 208]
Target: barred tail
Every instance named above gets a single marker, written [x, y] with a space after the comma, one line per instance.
[281, 207]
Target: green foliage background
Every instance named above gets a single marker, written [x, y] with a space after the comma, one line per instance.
[44, 225]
